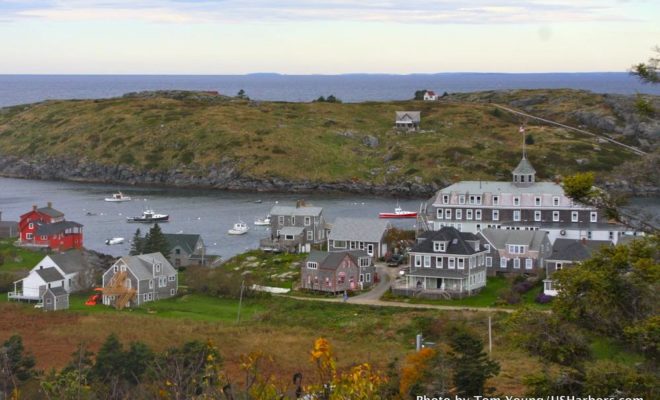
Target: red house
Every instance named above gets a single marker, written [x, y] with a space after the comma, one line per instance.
[46, 227]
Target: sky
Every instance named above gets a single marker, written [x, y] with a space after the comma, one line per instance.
[324, 37]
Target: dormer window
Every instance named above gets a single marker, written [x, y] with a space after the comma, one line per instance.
[516, 200]
[461, 199]
[537, 201]
[312, 265]
[496, 200]
[445, 199]
[158, 267]
[516, 249]
[440, 246]
[555, 201]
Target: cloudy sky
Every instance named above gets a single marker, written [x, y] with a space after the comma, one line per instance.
[328, 37]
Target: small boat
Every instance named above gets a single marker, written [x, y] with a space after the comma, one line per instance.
[240, 228]
[398, 213]
[258, 201]
[149, 216]
[118, 197]
[115, 240]
[262, 221]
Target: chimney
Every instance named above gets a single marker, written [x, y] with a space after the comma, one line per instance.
[34, 207]
[584, 240]
[50, 205]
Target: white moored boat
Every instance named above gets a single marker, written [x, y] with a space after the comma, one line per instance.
[115, 240]
[398, 213]
[240, 228]
[262, 221]
[118, 197]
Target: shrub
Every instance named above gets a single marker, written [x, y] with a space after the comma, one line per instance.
[523, 287]
[510, 296]
[542, 298]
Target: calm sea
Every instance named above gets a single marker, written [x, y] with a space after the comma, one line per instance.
[21, 89]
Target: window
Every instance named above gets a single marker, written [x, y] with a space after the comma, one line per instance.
[468, 215]
[28, 236]
[496, 215]
[516, 215]
[440, 213]
[516, 249]
[439, 246]
[438, 262]
[293, 220]
[489, 262]
[555, 216]
[162, 281]
[555, 201]
[418, 261]
[43, 237]
[368, 277]
[516, 200]
[31, 225]
[478, 198]
[594, 216]
[528, 263]
[537, 201]
[461, 263]
[447, 214]
[280, 219]
[339, 244]
[171, 278]
[461, 199]
[150, 296]
[496, 200]
[589, 235]
[611, 235]
[157, 267]
[445, 199]
[516, 263]
[558, 266]
[451, 263]
[537, 216]
[310, 235]
[574, 216]
[361, 278]
[172, 291]
[503, 262]
[459, 214]
[364, 262]
[312, 265]
[151, 283]
[477, 215]
[177, 251]
[487, 246]
[144, 297]
[427, 262]
[116, 268]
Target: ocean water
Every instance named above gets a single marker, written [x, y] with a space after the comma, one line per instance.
[21, 89]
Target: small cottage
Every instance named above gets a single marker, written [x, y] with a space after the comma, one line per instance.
[186, 249]
[295, 229]
[366, 234]
[430, 95]
[337, 272]
[566, 253]
[408, 120]
[515, 251]
[54, 298]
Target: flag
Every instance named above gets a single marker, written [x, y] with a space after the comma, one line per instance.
[521, 129]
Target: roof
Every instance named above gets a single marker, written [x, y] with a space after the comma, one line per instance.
[70, 261]
[51, 212]
[57, 227]
[456, 239]
[292, 230]
[141, 266]
[187, 241]
[306, 211]
[359, 229]
[49, 274]
[430, 92]
[583, 226]
[575, 249]
[413, 116]
[332, 260]
[58, 291]
[499, 238]
[524, 167]
[497, 187]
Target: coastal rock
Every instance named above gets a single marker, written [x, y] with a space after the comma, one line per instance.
[370, 141]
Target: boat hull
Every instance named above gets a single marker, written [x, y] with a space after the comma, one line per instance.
[233, 232]
[402, 215]
[110, 200]
[148, 220]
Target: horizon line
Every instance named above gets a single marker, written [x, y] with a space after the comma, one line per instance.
[319, 74]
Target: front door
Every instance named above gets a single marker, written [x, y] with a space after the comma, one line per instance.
[370, 249]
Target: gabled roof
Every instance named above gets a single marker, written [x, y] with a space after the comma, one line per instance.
[70, 262]
[430, 92]
[51, 212]
[524, 167]
[500, 238]
[414, 116]
[292, 230]
[57, 227]
[141, 266]
[49, 274]
[305, 211]
[57, 291]
[498, 187]
[457, 241]
[187, 241]
[332, 260]
[575, 249]
[359, 229]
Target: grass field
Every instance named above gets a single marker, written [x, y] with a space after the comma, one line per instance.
[268, 269]
[316, 142]
[15, 258]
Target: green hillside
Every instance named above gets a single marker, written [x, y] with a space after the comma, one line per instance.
[193, 133]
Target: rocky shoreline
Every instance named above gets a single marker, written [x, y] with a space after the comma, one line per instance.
[224, 177]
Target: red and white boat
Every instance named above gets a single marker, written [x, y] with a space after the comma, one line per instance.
[398, 213]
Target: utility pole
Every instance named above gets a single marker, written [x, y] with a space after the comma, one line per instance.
[240, 302]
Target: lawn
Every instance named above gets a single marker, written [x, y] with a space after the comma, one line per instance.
[268, 269]
[488, 297]
[15, 259]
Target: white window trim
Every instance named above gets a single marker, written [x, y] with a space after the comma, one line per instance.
[555, 216]
[537, 216]
[529, 263]
[477, 215]
[438, 262]
[451, 263]
[593, 216]
[461, 263]
[516, 215]
[496, 215]
[516, 263]
[574, 216]
[489, 262]
[496, 200]
[503, 262]
[440, 213]
[427, 261]
[459, 214]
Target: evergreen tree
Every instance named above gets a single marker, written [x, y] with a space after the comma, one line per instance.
[529, 139]
[471, 366]
[155, 242]
[137, 245]
[110, 360]
[15, 365]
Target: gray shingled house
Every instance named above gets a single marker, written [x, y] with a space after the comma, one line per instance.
[408, 120]
[54, 298]
[445, 263]
[565, 253]
[337, 272]
[515, 251]
[366, 234]
[186, 249]
[295, 229]
[151, 275]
